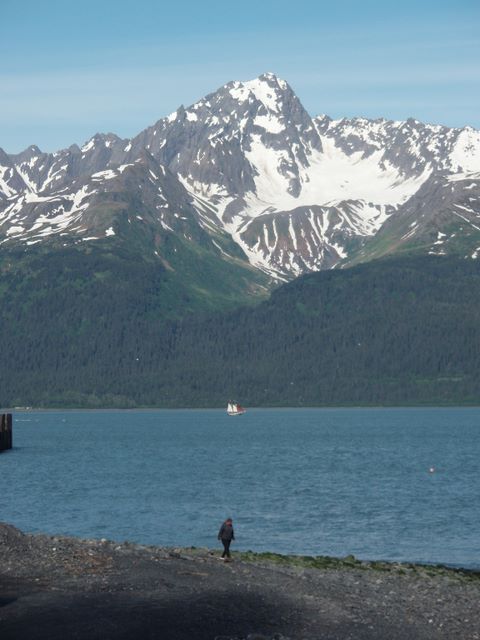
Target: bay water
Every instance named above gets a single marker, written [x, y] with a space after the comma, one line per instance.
[388, 484]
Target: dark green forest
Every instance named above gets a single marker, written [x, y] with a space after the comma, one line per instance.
[105, 330]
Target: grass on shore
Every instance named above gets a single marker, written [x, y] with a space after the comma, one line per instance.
[350, 562]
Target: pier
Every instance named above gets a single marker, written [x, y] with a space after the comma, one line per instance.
[5, 431]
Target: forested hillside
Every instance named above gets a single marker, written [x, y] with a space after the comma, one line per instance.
[398, 331]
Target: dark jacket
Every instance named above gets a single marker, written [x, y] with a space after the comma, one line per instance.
[226, 532]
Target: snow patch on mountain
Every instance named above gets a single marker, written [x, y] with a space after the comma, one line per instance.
[331, 177]
[465, 155]
[5, 188]
[462, 175]
[15, 230]
[264, 93]
[21, 170]
[108, 174]
[53, 174]
[88, 146]
[269, 123]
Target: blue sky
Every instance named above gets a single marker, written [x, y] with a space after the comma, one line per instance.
[69, 69]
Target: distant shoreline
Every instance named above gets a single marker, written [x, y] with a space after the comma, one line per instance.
[272, 408]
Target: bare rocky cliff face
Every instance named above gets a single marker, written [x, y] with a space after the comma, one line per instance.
[248, 166]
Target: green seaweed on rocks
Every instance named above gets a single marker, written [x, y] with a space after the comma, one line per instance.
[351, 562]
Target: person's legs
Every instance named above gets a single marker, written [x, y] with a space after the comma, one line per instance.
[226, 544]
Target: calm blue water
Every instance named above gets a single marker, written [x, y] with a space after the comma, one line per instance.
[311, 481]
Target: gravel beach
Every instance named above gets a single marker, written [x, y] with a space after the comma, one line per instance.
[54, 587]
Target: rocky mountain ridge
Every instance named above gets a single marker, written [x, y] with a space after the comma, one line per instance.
[247, 172]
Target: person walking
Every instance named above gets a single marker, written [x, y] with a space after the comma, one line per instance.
[226, 535]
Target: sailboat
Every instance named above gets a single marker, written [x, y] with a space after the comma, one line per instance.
[234, 409]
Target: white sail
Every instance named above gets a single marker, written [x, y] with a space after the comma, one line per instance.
[234, 409]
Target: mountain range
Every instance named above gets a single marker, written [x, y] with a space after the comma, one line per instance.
[242, 248]
[250, 177]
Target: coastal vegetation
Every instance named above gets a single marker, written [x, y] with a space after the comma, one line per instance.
[102, 329]
[351, 562]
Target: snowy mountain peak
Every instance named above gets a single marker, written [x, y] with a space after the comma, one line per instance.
[27, 154]
[100, 139]
[296, 193]
[267, 89]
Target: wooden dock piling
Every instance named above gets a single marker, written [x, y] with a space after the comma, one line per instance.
[5, 431]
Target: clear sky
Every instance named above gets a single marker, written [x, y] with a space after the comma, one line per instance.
[69, 69]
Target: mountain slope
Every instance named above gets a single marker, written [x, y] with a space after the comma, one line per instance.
[138, 204]
[397, 331]
[442, 218]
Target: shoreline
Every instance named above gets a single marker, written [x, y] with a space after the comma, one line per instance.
[280, 557]
[59, 409]
[59, 587]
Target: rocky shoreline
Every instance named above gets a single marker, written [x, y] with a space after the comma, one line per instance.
[55, 587]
